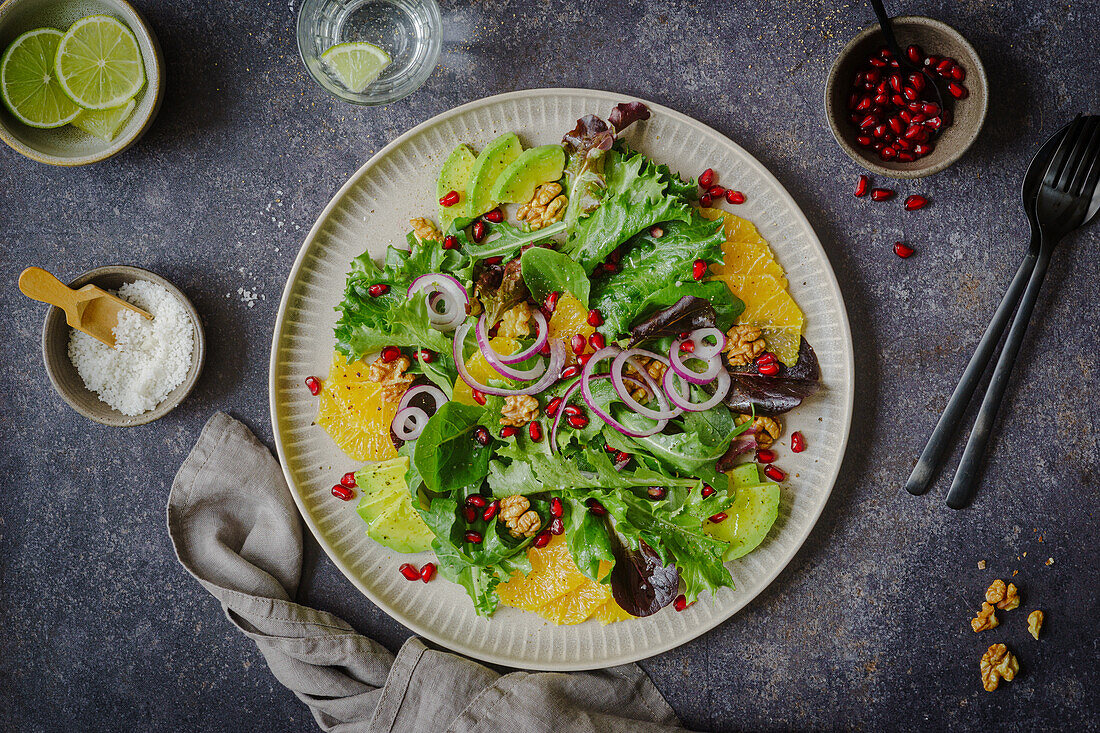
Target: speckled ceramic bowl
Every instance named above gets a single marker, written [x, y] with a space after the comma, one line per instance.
[935, 37]
[66, 380]
[69, 146]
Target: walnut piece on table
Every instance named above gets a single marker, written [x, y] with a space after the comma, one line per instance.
[766, 430]
[986, 619]
[997, 664]
[546, 207]
[1034, 623]
[518, 410]
[425, 230]
[744, 343]
[515, 323]
[1004, 597]
[516, 513]
[391, 376]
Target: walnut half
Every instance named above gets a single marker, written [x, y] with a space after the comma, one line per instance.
[766, 430]
[518, 410]
[744, 344]
[546, 207]
[986, 619]
[425, 230]
[516, 513]
[997, 664]
[391, 376]
[1034, 623]
[1003, 597]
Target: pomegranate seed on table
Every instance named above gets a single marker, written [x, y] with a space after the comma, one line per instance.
[557, 509]
[914, 202]
[769, 369]
[470, 513]
[313, 384]
[764, 455]
[450, 242]
[491, 511]
[570, 371]
[542, 539]
[706, 178]
[577, 421]
[409, 571]
[798, 443]
[774, 473]
[495, 216]
[595, 318]
[557, 526]
[903, 250]
[734, 197]
[473, 537]
[656, 232]
[479, 397]
[378, 289]
[449, 199]
[427, 572]
[958, 91]
[479, 230]
[578, 343]
[390, 353]
[680, 603]
[699, 269]
[597, 341]
[508, 431]
[881, 194]
[705, 200]
[656, 492]
[552, 406]
[707, 491]
[475, 500]
[719, 517]
[348, 479]
[343, 493]
[534, 431]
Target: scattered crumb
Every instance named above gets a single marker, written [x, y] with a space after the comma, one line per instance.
[981, 565]
[1050, 561]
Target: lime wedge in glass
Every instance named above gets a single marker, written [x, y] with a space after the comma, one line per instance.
[27, 82]
[104, 123]
[98, 63]
[355, 65]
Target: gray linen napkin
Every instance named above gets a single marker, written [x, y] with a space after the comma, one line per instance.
[235, 528]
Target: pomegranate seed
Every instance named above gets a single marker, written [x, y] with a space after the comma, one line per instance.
[958, 91]
[479, 397]
[481, 435]
[716, 192]
[688, 347]
[906, 116]
[864, 141]
[897, 100]
[706, 178]
[931, 60]
[774, 473]
[577, 421]
[578, 343]
[596, 507]
[472, 536]
[597, 341]
[922, 149]
[470, 513]
[557, 509]
[680, 603]
[768, 370]
[885, 52]
[958, 73]
[557, 526]
[765, 456]
[313, 384]
[708, 491]
[479, 230]
[495, 216]
[918, 82]
[656, 232]
[902, 144]
[450, 242]
[622, 456]
[609, 448]
[906, 157]
[887, 154]
[570, 371]
[945, 65]
[390, 353]
[595, 318]
[378, 289]
[896, 125]
[425, 356]
[656, 492]
[903, 250]
[551, 301]
[409, 571]
[853, 100]
[534, 431]
[734, 197]
[798, 443]
[494, 260]
[552, 406]
[766, 358]
[348, 479]
[862, 186]
[881, 194]
[545, 350]
[573, 410]
[911, 94]
[872, 76]
[476, 500]
[863, 105]
[930, 108]
[491, 511]
[719, 517]
[915, 54]
[913, 131]
[343, 493]
[450, 199]
[881, 100]
[868, 121]
[879, 130]
[876, 62]
[542, 539]
[705, 200]
[508, 431]
[427, 572]
[915, 202]
[699, 269]
[895, 82]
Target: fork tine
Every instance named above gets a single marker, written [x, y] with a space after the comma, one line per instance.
[1075, 185]
[1057, 161]
[1078, 157]
[1092, 180]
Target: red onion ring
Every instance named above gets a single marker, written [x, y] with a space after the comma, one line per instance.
[409, 423]
[565, 401]
[667, 409]
[704, 350]
[452, 293]
[680, 400]
[500, 363]
[586, 392]
[551, 375]
[714, 365]
[435, 392]
[541, 334]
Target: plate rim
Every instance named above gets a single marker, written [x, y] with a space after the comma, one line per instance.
[650, 651]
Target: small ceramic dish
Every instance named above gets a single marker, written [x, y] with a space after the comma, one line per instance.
[69, 146]
[935, 37]
[68, 383]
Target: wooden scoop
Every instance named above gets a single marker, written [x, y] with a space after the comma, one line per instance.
[90, 309]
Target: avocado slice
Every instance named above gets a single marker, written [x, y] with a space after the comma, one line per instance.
[752, 515]
[496, 156]
[516, 184]
[453, 176]
[746, 474]
[386, 506]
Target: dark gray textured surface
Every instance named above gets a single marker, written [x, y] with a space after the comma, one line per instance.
[868, 626]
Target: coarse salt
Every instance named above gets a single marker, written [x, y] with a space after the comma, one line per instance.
[151, 358]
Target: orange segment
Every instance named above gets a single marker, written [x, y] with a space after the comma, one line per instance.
[354, 414]
[570, 317]
[480, 370]
[610, 612]
[744, 253]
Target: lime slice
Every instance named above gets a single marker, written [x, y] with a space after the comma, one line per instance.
[355, 65]
[104, 123]
[98, 63]
[27, 83]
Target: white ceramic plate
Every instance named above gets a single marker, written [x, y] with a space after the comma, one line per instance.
[373, 209]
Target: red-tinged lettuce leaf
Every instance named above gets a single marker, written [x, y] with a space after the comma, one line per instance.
[640, 583]
[752, 392]
[739, 446]
[686, 314]
[496, 290]
[626, 114]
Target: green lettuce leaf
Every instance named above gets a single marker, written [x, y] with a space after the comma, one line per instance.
[447, 457]
[546, 271]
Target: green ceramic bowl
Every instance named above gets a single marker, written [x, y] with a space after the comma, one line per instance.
[68, 146]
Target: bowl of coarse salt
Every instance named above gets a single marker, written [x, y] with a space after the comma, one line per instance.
[155, 364]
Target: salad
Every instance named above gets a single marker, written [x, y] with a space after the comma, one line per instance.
[566, 409]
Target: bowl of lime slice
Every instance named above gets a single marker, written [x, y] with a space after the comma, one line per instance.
[80, 80]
